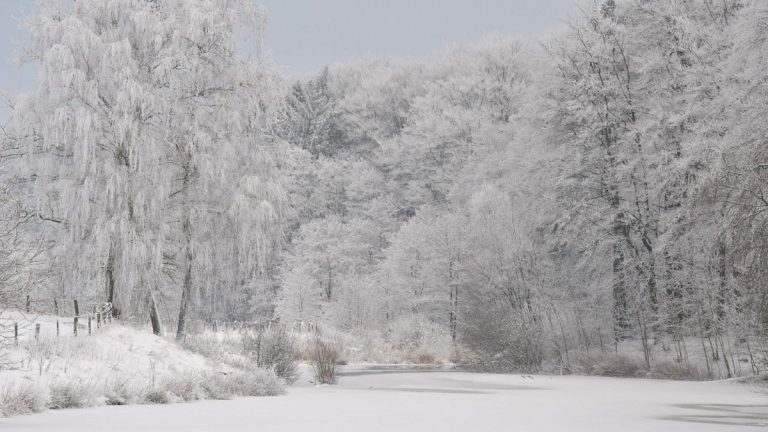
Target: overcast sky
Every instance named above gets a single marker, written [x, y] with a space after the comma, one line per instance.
[304, 35]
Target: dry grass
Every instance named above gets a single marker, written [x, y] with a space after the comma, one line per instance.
[74, 393]
[124, 391]
[196, 385]
[18, 398]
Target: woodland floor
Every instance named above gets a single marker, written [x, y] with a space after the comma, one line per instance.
[391, 398]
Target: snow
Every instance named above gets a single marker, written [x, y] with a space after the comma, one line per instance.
[115, 352]
[389, 398]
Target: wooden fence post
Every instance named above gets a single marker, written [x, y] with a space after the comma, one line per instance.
[29, 303]
[16, 333]
[89, 324]
[57, 328]
[37, 331]
[56, 306]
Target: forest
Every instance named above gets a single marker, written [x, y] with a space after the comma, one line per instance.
[512, 205]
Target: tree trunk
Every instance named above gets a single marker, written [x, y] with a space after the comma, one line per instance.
[186, 293]
[154, 315]
[454, 300]
[110, 277]
[186, 290]
[620, 299]
[722, 272]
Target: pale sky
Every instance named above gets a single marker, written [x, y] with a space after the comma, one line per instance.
[305, 35]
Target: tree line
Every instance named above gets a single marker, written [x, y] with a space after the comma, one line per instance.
[528, 202]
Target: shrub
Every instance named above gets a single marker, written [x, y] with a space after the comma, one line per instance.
[677, 371]
[760, 382]
[415, 339]
[275, 349]
[204, 344]
[158, 396]
[195, 385]
[26, 397]
[185, 386]
[74, 393]
[426, 358]
[215, 386]
[501, 337]
[122, 392]
[257, 382]
[616, 365]
[325, 359]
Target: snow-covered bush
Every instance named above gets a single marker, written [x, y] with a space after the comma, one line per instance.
[74, 393]
[216, 386]
[123, 391]
[22, 397]
[254, 382]
[206, 344]
[762, 383]
[274, 348]
[611, 364]
[417, 340]
[224, 347]
[325, 359]
[199, 385]
[158, 396]
[667, 369]
[185, 386]
[40, 351]
[502, 338]
[616, 365]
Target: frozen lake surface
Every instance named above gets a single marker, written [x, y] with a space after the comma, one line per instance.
[385, 398]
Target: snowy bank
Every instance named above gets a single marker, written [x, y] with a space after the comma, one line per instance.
[119, 365]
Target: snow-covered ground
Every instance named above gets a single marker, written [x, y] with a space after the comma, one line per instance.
[381, 398]
[119, 364]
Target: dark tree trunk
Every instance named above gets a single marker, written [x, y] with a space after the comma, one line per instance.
[186, 290]
[181, 329]
[723, 276]
[110, 279]
[154, 316]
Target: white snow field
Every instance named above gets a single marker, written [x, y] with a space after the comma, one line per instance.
[387, 398]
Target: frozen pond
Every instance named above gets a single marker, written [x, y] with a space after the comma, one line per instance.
[380, 398]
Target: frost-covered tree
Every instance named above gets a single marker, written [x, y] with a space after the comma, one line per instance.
[742, 185]
[328, 258]
[21, 245]
[309, 115]
[225, 202]
[94, 125]
[147, 133]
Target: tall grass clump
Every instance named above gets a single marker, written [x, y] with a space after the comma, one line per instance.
[325, 357]
[26, 397]
[74, 393]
